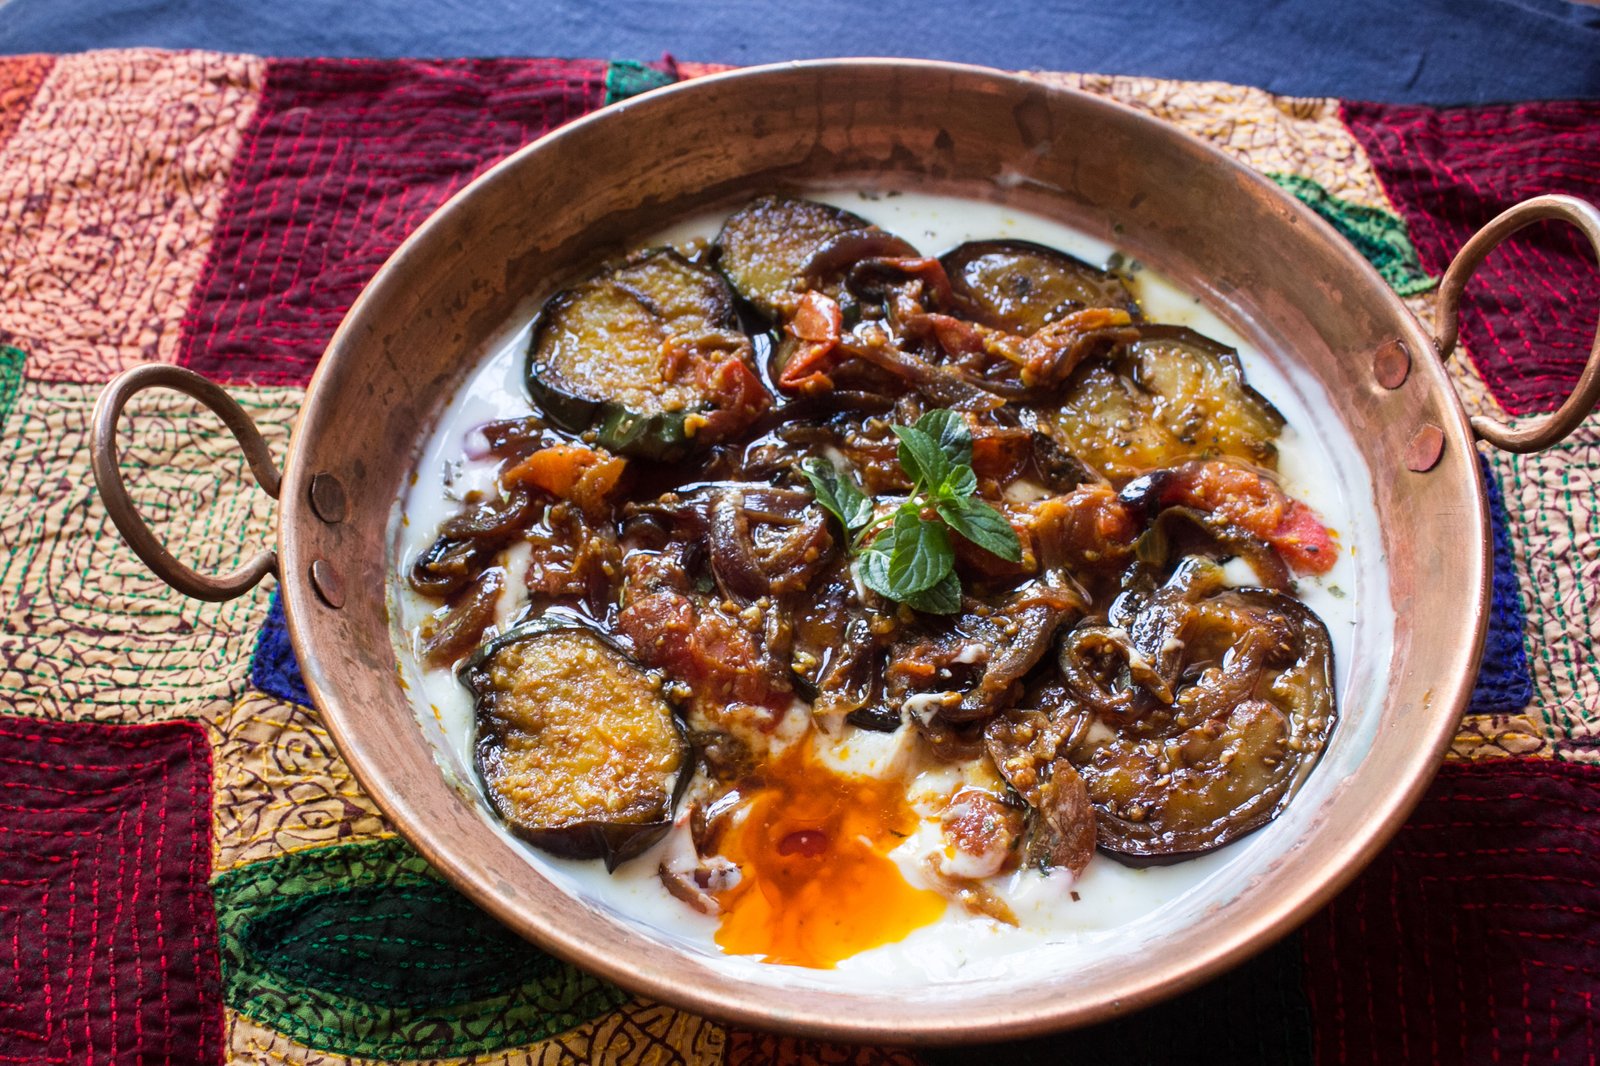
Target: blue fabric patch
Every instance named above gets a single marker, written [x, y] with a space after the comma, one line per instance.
[1432, 51]
[1505, 685]
[274, 669]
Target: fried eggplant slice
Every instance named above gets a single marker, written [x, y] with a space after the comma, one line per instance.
[1170, 396]
[579, 749]
[648, 354]
[1021, 287]
[1231, 725]
[1201, 396]
[775, 245]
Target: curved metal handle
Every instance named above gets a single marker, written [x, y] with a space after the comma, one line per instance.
[108, 475]
[1554, 427]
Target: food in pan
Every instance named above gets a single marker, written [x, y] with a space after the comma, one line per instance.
[841, 585]
[580, 749]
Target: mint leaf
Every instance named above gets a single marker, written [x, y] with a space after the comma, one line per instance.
[921, 556]
[874, 564]
[921, 458]
[907, 553]
[858, 505]
[838, 495]
[825, 486]
[949, 431]
[982, 525]
[943, 598]
[913, 560]
[961, 481]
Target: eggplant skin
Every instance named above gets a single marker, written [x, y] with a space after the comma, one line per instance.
[1021, 287]
[1174, 783]
[579, 750]
[598, 359]
[1168, 397]
[766, 246]
[1201, 396]
[662, 437]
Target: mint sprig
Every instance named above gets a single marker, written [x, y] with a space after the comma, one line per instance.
[913, 561]
[838, 495]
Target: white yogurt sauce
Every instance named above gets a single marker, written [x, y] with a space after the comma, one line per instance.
[1063, 920]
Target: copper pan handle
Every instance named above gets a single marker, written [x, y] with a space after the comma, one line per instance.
[108, 475]
[1555, 426]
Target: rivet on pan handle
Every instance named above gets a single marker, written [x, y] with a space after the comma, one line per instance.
[1554, 427]
[108, 476]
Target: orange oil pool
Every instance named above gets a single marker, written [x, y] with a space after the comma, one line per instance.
[818, 885]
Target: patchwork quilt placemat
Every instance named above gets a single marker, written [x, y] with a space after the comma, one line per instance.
[188, 872]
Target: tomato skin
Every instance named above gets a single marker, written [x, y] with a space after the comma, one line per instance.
[705, 648]
[1303, 541]
[1257, 505]
[738, 395]
[1085, 527]
[817, 324]
[659, 625]
[570, 472]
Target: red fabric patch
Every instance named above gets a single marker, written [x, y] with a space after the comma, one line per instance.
[1471, 939]
[1530, 311]
[342, 160]
[20, 78]
[108, 939]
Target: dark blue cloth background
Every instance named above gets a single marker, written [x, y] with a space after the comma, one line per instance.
[1505, 685]
[1423, 51]
[274, 669]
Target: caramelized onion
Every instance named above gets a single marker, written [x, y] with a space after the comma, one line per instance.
[733, 559]
[941, 384]
[1036, 617]
[496, 517]
[468, 540]
[851, 250]
[448, 566]
[513, 438]
[454, 630]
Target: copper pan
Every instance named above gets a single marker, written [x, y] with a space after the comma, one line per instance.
[1269, 266]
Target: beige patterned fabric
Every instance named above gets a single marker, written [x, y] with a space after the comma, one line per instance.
[281, 785]
[88, 631]
[1553, 502]
[109, 189]
[638, 1034]
[1276, 135]
[1273, 134]
[1501, 736]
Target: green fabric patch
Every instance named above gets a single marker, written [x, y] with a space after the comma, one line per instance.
[1377, 234]
[627, 77]
[11, 360]
[362, 949]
